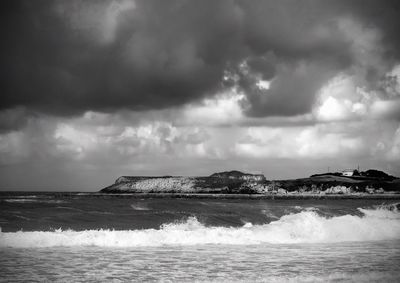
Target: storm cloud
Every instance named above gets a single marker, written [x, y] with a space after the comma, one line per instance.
[67, 57]
[91, 90]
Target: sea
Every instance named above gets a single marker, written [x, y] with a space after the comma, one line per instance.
[91, 237]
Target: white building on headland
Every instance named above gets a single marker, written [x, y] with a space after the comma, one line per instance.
[348, 172]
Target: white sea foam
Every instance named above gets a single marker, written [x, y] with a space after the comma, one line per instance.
[29, 200]
[19, 200]
[138, 206]
[305, 227]
[336, 277]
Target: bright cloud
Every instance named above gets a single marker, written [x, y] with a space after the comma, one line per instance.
[224, 109]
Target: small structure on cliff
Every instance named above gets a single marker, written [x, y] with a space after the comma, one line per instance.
[350, 172]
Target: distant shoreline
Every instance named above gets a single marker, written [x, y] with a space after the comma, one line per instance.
[247, 196]
[177, 195]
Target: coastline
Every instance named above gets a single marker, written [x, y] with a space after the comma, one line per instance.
[228, 184]
[246, 196]
[175, 195]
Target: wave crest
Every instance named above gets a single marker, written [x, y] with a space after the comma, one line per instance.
[382, 223]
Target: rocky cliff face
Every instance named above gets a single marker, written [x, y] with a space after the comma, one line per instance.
[237, 175]
[225, 182]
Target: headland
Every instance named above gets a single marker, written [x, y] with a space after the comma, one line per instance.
[372, 183]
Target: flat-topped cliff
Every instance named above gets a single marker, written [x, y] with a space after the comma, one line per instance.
[223, 182]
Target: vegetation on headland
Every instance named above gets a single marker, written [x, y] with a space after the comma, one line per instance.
[236, 182]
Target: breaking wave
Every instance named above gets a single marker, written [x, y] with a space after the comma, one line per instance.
[380, 223]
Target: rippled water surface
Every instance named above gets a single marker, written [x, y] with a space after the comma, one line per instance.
[360, 262]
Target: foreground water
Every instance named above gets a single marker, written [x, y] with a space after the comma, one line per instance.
[84, 237]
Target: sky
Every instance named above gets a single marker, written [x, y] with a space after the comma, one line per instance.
[92, 90]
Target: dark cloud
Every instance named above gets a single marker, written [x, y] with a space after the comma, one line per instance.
[384, 15]
[290, 93]
[12, 119]
[65, 57]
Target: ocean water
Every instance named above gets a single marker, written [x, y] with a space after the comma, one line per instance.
[73, 237]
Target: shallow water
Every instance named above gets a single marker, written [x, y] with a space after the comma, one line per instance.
[360, 262]
[80, 238]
